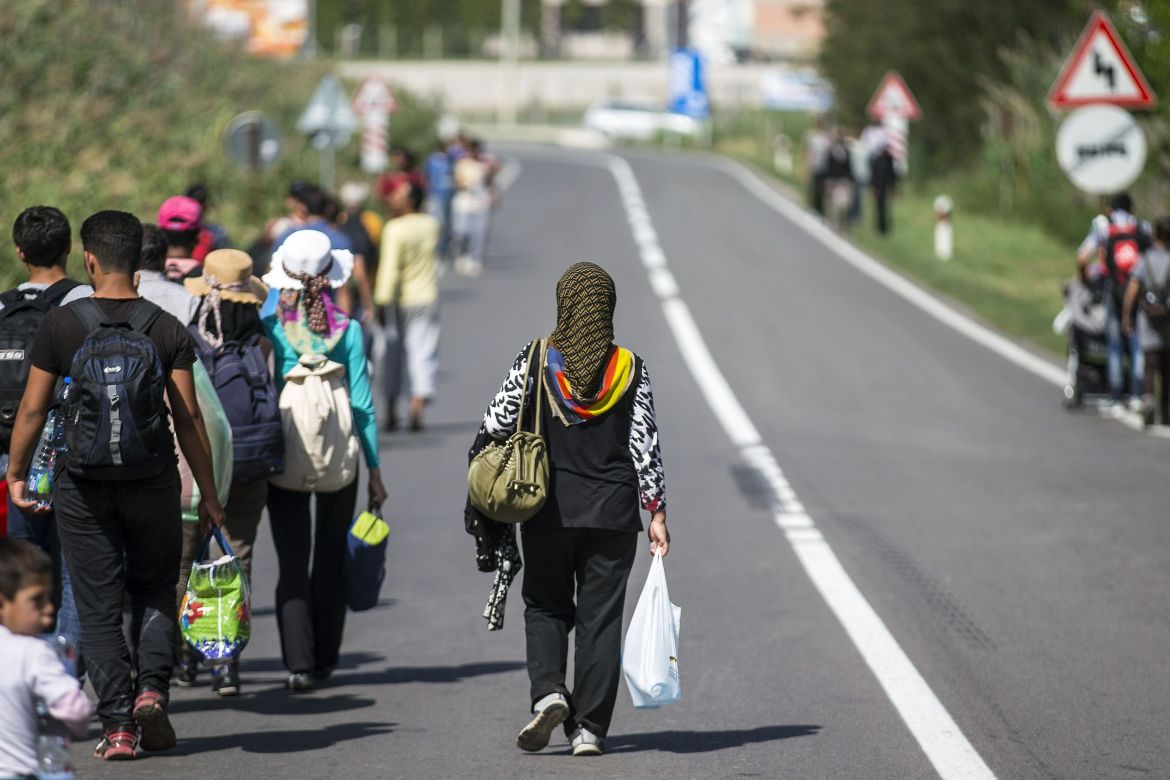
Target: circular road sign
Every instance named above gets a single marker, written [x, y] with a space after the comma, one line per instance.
[253, 140]
[1101, 149]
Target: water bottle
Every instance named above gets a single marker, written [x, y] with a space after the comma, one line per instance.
[43, 470]
[54, 761]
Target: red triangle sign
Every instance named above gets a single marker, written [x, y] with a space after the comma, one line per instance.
[374, 97]
[1101, 70]
[893, 97]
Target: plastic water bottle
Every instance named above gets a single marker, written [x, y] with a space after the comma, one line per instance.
[54, 761]
[43, 471]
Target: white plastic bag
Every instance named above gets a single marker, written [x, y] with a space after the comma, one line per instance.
[650, 657]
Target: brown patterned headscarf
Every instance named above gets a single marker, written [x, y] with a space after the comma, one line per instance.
[586, 299]
[313, 297]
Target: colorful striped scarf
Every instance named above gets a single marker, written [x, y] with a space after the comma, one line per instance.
[618, 376]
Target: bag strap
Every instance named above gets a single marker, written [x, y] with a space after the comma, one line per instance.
[216, 534]
[91, 315]
[144, 316]
[524, 388]
[539, 387]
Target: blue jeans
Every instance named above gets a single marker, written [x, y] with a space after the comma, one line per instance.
[1117, 344]
[40, 528]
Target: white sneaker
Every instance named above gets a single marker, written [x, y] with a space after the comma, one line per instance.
[1113, 410]
[551, 712]
[1135, 403]
[586, 743]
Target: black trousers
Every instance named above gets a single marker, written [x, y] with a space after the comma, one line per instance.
[596, 564]
[123, 538]
[310, 594]
[881, 197]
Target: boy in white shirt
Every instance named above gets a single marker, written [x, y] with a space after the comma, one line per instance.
[31, 670]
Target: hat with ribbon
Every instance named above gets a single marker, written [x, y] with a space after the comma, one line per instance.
[228, 272]
[308, 254]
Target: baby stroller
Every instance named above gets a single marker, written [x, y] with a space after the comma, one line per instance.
[1085, 318]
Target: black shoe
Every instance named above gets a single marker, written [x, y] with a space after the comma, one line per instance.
[321, 675]
[185, 673]
[225, 680]
[391, 424]
[299, 681]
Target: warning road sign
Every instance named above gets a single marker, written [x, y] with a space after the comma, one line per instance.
[893, 98]
[1101, 70]
[374, 97]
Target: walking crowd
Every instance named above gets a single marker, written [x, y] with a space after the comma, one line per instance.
[840, 167]
[262, 366]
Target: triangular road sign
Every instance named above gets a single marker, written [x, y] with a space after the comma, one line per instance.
[1101, 70]
[328, 110]
[894, 98]
[374, 97]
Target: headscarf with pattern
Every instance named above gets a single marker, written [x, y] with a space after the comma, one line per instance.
[586, 299]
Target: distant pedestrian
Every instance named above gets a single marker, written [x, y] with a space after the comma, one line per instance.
[403, 167]
[31, 671]
[117, 501]
[599, 427]
[212, 236]
[816, 158]
[1120, 242]
[838, 182]
[440, 175]
[43, 240]
[883, 180]
[181, 220]
[408, 290]
[310, 593]
[471, 208]
[237, 353]
[153, 284]
[1147, 294]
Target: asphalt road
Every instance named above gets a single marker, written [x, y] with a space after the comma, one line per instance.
[1019, 555]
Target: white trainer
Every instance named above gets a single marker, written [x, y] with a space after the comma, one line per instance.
[551, 712]
[586, 743]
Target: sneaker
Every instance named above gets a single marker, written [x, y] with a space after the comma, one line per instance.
[551, 712]
[185, 673]
[151, 716]
[119, 744]
[585, 743]
[1134, 404]
[1113, 410]
[299, 682]
[225, 680]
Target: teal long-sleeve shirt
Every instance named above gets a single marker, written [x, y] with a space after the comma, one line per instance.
[349, 352]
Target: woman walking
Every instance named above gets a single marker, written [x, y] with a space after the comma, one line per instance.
[230, 341]
[310, 595]
[598, 417]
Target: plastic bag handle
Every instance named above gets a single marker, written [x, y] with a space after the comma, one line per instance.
[223, 545]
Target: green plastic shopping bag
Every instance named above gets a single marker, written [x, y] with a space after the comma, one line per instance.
[215, 616]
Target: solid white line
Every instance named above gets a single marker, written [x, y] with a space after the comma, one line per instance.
[937, 733]
[897, 284]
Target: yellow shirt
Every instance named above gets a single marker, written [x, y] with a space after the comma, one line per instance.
[408, 274]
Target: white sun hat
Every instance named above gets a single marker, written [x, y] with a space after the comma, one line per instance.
[308, 252]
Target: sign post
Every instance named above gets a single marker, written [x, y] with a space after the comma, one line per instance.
[329, 121]
[1100, 146]
[687, 87]
[252, 141]
[893, 105]
[374, 103]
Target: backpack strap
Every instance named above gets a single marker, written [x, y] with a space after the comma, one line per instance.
[55, 292]
[144, 316]
[12, 297]
[91, 315]
[254, 362]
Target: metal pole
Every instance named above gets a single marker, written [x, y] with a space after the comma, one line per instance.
[683, 22]
[509, 61]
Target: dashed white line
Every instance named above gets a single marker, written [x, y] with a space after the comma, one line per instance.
[937, 733]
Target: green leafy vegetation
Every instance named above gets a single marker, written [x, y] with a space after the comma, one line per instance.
[122, 103]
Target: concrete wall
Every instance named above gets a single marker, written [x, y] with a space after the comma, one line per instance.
[480, 86]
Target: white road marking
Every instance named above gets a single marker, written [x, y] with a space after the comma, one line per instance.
[937, 733]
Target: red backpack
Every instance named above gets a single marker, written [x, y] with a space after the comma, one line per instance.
[1123, 250]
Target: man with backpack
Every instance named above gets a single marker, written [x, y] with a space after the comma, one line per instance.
[1149, 291]
[1119, 242]
[43, 240]
[117, 501]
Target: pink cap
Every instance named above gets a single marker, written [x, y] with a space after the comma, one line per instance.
[180, 214]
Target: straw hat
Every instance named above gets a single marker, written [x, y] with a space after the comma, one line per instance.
[230, 270]
[308, 252]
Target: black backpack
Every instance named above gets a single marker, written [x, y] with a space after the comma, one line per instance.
[19, 320]
[115, 419]
[239, 372]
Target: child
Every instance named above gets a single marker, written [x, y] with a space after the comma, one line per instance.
[31, 669]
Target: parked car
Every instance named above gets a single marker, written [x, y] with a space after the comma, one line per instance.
[636, 119]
